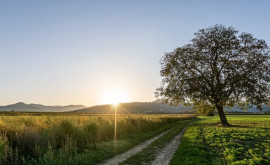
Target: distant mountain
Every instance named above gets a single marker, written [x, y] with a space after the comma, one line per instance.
[253, 109]
[39, 108]
[135, 108]
[154, 107]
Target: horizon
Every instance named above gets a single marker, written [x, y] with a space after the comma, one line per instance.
[87, 52]
[78, 104]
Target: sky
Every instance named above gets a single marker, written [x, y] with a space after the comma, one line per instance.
[59, 52]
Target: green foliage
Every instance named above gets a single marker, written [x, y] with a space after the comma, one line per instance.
[247, 142]
[202, 108]
[220, 67]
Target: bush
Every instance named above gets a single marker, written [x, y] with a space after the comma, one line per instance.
[204, 109]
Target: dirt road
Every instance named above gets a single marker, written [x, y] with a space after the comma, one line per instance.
[166, 154]
[121, 157]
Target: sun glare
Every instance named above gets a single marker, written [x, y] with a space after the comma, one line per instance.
[115, 97]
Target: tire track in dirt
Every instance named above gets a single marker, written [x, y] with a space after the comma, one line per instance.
[166, 154]
[122, 157]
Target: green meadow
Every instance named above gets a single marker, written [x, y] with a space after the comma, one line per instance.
[247, 142]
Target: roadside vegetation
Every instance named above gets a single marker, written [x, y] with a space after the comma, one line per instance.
[74, 139]
[147, 155]
[207, 142]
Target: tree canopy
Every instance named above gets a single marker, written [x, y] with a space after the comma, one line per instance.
[219, 67]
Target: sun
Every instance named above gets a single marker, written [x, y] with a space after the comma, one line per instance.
[115, 97]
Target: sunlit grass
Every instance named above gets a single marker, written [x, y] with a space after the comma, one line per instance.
[25, 139]
[207, 142]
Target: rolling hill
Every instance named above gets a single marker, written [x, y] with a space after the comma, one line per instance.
[20, 106]
[155, 107]
[136, 108]
[252, 109]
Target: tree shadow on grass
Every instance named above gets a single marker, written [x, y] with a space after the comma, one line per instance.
[241, 126]
[232, 125]
[219, 124]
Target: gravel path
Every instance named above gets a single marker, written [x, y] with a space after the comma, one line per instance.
[166, 154]
[121, 157]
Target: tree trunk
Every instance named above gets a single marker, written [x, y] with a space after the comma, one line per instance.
[222, 116]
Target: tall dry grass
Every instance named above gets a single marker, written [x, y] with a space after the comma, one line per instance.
[41, 137]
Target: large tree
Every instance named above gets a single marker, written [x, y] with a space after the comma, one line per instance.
[219, 68]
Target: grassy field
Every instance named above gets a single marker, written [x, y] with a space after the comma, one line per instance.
[207, 142]
[75, 139]
[88, 139]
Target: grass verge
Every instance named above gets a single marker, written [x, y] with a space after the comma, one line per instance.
[148, 154]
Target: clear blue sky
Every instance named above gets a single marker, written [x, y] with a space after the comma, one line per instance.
[76, 52]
